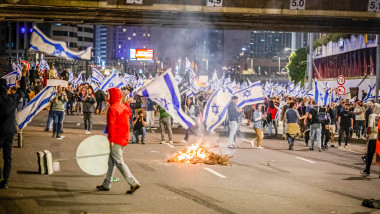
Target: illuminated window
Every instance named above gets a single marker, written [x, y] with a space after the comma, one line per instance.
[129, 38]
[148, 35]
[124, 30]
[144, 35]
[119, 46]
[134, 34]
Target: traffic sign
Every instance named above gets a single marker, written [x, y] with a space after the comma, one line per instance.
[341, 90]
[297, 4]
[341, 80]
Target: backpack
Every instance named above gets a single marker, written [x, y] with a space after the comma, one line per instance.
[318, 117]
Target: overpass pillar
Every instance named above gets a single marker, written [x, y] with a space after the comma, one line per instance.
[377, 67]
[310, 62]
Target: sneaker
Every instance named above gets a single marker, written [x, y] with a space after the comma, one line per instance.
[319, 149]
[171, 142]
[332, 145]
[46, 130]
[53, 135]
[232, 147]
[253, 144]
[3, 185]
[133, 189]
[259, 147]
[59, 136]
[163, 142]
[89, 132]
[311, 148]
[364, 173]
[345, 147]
[184, 141]
[143, 142]
[102, 188]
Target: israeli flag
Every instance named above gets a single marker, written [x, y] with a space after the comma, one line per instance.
[244, 85]
[71, 77]
[17, 68]
[214, 78]
[112, 81]
[249, 82]
[79, 79]
[164, 91]
[40, 42]
[267, 88]
[33, 107]
[371, 93]
[251, 95]
[216, 109]
[321, 96]
[43, 65]
[94, 86]
[296, 91]
[290, 87]
[278, 90]
[97, 76]
[10, 78]
[178, 78]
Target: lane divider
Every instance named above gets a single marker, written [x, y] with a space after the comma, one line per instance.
[305, 160]
[215, 172]
[170, 145]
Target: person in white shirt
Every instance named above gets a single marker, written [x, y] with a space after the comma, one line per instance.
[359, 113]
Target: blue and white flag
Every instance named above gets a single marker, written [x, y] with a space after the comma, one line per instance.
[40, 42]
[321, 95]
[214, 78]
[267, 88]
[39, 102]
[10, 78]
[278, 90]
[94, 86]
[164, 91]
[249, 82]
[296, 91]
[112, 81]
[17, 68]
[71, 77]
[216, 109]
[290, 87]
[371, 94]
[79, 79]
[97, 76]
[251, 95]
[43, 65]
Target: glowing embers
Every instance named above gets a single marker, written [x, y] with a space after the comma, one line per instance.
[199, 154]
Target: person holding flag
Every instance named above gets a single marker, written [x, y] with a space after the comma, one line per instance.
[8, 105]
[233, 118]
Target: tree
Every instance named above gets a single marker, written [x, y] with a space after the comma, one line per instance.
[297, 65]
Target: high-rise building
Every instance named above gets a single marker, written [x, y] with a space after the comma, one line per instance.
[100, 44]
[77, 37]
[268, 44]
[15, 39]
[127, 38]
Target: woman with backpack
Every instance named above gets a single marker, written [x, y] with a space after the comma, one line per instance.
[271, 116]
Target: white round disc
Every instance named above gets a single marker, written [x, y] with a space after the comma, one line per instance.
[92, 155]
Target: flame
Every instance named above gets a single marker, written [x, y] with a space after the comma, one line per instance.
[192, 154]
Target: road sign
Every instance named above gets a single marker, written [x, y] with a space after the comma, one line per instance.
[374, 6]
[214, 3]
[297, 4]
[341, 80]
[341, 90]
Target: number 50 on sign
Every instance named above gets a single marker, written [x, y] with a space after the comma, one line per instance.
[297, 4]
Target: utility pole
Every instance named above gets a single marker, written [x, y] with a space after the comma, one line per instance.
[377, 67]
[310, 62]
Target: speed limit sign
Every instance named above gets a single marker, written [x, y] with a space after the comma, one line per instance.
[341, 80]
[341, 90]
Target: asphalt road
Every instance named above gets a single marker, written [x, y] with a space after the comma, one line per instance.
[273, 180]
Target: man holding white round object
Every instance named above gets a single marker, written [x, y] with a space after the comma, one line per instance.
[118, 133]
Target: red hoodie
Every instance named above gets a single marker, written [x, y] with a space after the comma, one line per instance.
[118, 118]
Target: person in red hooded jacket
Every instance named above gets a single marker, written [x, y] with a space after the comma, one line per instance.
[118, 116]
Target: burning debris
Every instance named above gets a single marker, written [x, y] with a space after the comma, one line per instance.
[200, 154]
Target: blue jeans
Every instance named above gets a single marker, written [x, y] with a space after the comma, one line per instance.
[136, 134]
[233, 129]
[270, 124]
[57, 119]
[315, 132]
[290, 140]
[50, 118]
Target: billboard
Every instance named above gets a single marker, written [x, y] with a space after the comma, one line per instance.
[141, 54]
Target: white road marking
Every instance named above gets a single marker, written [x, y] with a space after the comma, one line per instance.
[103, 123]
[215, 172]
[155, 151]
[306, 160]
[170, 145]
[78, 124]
[61, 138]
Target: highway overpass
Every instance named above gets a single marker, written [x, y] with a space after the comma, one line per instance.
[349, 16]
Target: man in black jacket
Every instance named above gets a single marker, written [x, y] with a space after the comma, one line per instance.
[8, 105]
